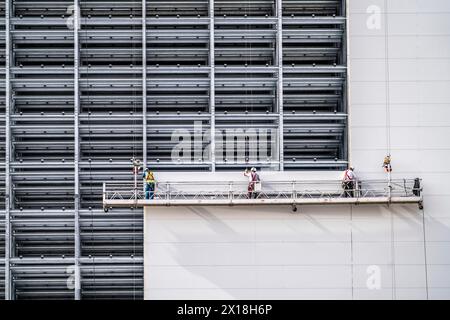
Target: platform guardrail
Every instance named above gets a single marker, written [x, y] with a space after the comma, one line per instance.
[171, 193]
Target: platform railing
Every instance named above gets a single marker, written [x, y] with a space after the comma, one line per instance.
[171, 192]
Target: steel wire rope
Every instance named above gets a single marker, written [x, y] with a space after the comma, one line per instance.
[248, 93]
[247, 77]
[424, 234]
[425, 253]
[388, 139]
[251, 88]
[352, 256]
[133, 61]
[88, 101]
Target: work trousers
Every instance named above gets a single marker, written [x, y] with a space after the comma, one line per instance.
[349, 188]
[149, 191]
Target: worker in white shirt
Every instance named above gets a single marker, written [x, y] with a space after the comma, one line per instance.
[253, 178]
[349, 182]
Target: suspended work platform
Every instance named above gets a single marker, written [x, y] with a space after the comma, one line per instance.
[199, 193]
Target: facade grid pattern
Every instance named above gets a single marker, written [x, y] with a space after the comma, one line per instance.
[86, 86]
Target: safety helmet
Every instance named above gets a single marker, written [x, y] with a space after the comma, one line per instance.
[254, 169]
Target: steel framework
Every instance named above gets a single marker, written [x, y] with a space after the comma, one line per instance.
[74, 112]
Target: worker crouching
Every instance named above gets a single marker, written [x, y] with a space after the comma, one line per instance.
[349, 182]
[149, 182]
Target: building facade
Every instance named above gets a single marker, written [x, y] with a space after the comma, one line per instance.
[278, 79]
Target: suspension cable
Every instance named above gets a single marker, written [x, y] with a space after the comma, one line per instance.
[388, 140]
[387, 82]
[133, 57]
[89, 153]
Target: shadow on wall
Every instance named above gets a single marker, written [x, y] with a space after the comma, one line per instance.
[271, 253]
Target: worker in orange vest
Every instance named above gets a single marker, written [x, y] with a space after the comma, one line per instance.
[149, 181]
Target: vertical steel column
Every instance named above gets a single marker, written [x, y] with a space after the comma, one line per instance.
[8, 189]
[144, 82]
[346, 90]
[280, 98]
[76, 26]
[212, 87]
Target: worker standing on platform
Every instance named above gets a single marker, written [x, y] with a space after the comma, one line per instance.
[149, 182]
[349, 182]
[253, 180]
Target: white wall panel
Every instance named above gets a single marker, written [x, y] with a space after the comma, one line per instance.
[313, 253]
[365, 294]
[368, 93]
[372, 253]
[439, 293]
[410, 253]
[439, 276]
[368, 70]
[362, 47]
[411, 294]
[432, 46]
[410, 276]
[304, 294]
